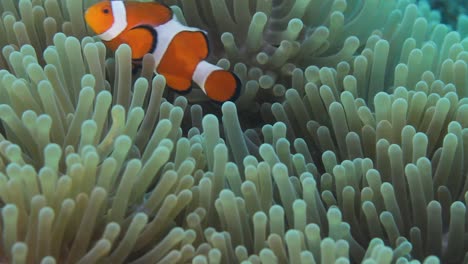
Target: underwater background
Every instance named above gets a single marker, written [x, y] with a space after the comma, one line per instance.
[348, 144]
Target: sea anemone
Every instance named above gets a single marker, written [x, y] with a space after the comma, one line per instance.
[347, 144]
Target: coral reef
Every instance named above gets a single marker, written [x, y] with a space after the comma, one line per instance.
[347, 145]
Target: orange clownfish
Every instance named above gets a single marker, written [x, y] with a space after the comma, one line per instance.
[179, 51]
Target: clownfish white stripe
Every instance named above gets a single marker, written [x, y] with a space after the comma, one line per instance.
[120, 21]
[166, 32]
[202, 71]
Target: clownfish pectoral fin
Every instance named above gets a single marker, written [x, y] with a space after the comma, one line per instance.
[142, 40]
[218, 84]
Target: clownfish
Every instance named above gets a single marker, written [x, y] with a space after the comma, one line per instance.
[179, 51]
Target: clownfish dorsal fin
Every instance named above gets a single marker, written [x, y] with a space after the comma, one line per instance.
[147, 13]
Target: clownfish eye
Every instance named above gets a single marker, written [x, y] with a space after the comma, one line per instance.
[105, 10]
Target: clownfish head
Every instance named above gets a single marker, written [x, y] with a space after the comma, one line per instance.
[107, 19]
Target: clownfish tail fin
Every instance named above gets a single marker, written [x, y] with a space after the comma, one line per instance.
[218, 84]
